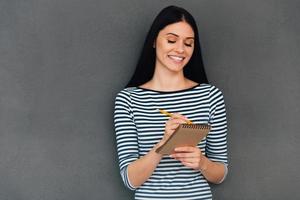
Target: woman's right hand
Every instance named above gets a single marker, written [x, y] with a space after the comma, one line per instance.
[171, 125]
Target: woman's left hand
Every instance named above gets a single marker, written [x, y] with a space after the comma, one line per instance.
[190, 157]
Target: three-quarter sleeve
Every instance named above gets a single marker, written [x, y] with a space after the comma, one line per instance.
[216, 143]
[126, 135]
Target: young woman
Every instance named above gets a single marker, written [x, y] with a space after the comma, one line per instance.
[170, 75]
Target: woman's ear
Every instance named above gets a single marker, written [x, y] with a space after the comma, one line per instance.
[154, 44]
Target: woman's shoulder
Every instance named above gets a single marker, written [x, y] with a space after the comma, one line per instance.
[211, 89]
[209, 86]
[126, 92]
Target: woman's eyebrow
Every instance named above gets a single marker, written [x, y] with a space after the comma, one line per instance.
[178, 35]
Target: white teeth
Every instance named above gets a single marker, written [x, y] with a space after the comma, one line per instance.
[176, 58]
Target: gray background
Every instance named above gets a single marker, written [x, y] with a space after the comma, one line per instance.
[63, 61]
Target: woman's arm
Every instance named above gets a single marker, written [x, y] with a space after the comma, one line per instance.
[135, 170]
[214, 172]
[216, 140]
[192, 157]
[141, 169]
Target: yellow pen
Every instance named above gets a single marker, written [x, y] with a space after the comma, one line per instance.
[170, 115]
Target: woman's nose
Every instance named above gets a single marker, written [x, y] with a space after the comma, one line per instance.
[180, 47]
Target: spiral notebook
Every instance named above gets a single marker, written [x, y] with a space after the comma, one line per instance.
[184, 135]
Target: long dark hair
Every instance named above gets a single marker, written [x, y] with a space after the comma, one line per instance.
[194, 69]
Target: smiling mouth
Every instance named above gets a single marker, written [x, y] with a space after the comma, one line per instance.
[176, 58]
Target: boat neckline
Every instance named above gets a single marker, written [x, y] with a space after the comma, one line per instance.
[165, 92]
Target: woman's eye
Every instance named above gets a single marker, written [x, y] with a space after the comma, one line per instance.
[186, 44]
[171, 41]
[189, 45]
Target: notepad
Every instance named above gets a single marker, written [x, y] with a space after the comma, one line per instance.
[184, 135]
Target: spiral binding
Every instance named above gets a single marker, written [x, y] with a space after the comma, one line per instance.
[196, 126]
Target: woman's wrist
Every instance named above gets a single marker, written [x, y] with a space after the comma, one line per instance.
[160, 143]
[203, 165]
[156, 146]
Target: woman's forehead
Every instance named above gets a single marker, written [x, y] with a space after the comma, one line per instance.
[181, 29]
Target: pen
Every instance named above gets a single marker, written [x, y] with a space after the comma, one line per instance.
[170, 115]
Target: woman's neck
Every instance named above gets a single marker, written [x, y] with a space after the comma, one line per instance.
[168, 81]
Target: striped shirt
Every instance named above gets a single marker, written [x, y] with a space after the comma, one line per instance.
[139, 126]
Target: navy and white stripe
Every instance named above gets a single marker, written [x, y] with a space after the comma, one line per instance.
[139, 126]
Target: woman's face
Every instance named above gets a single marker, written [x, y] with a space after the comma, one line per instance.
[174, 46]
